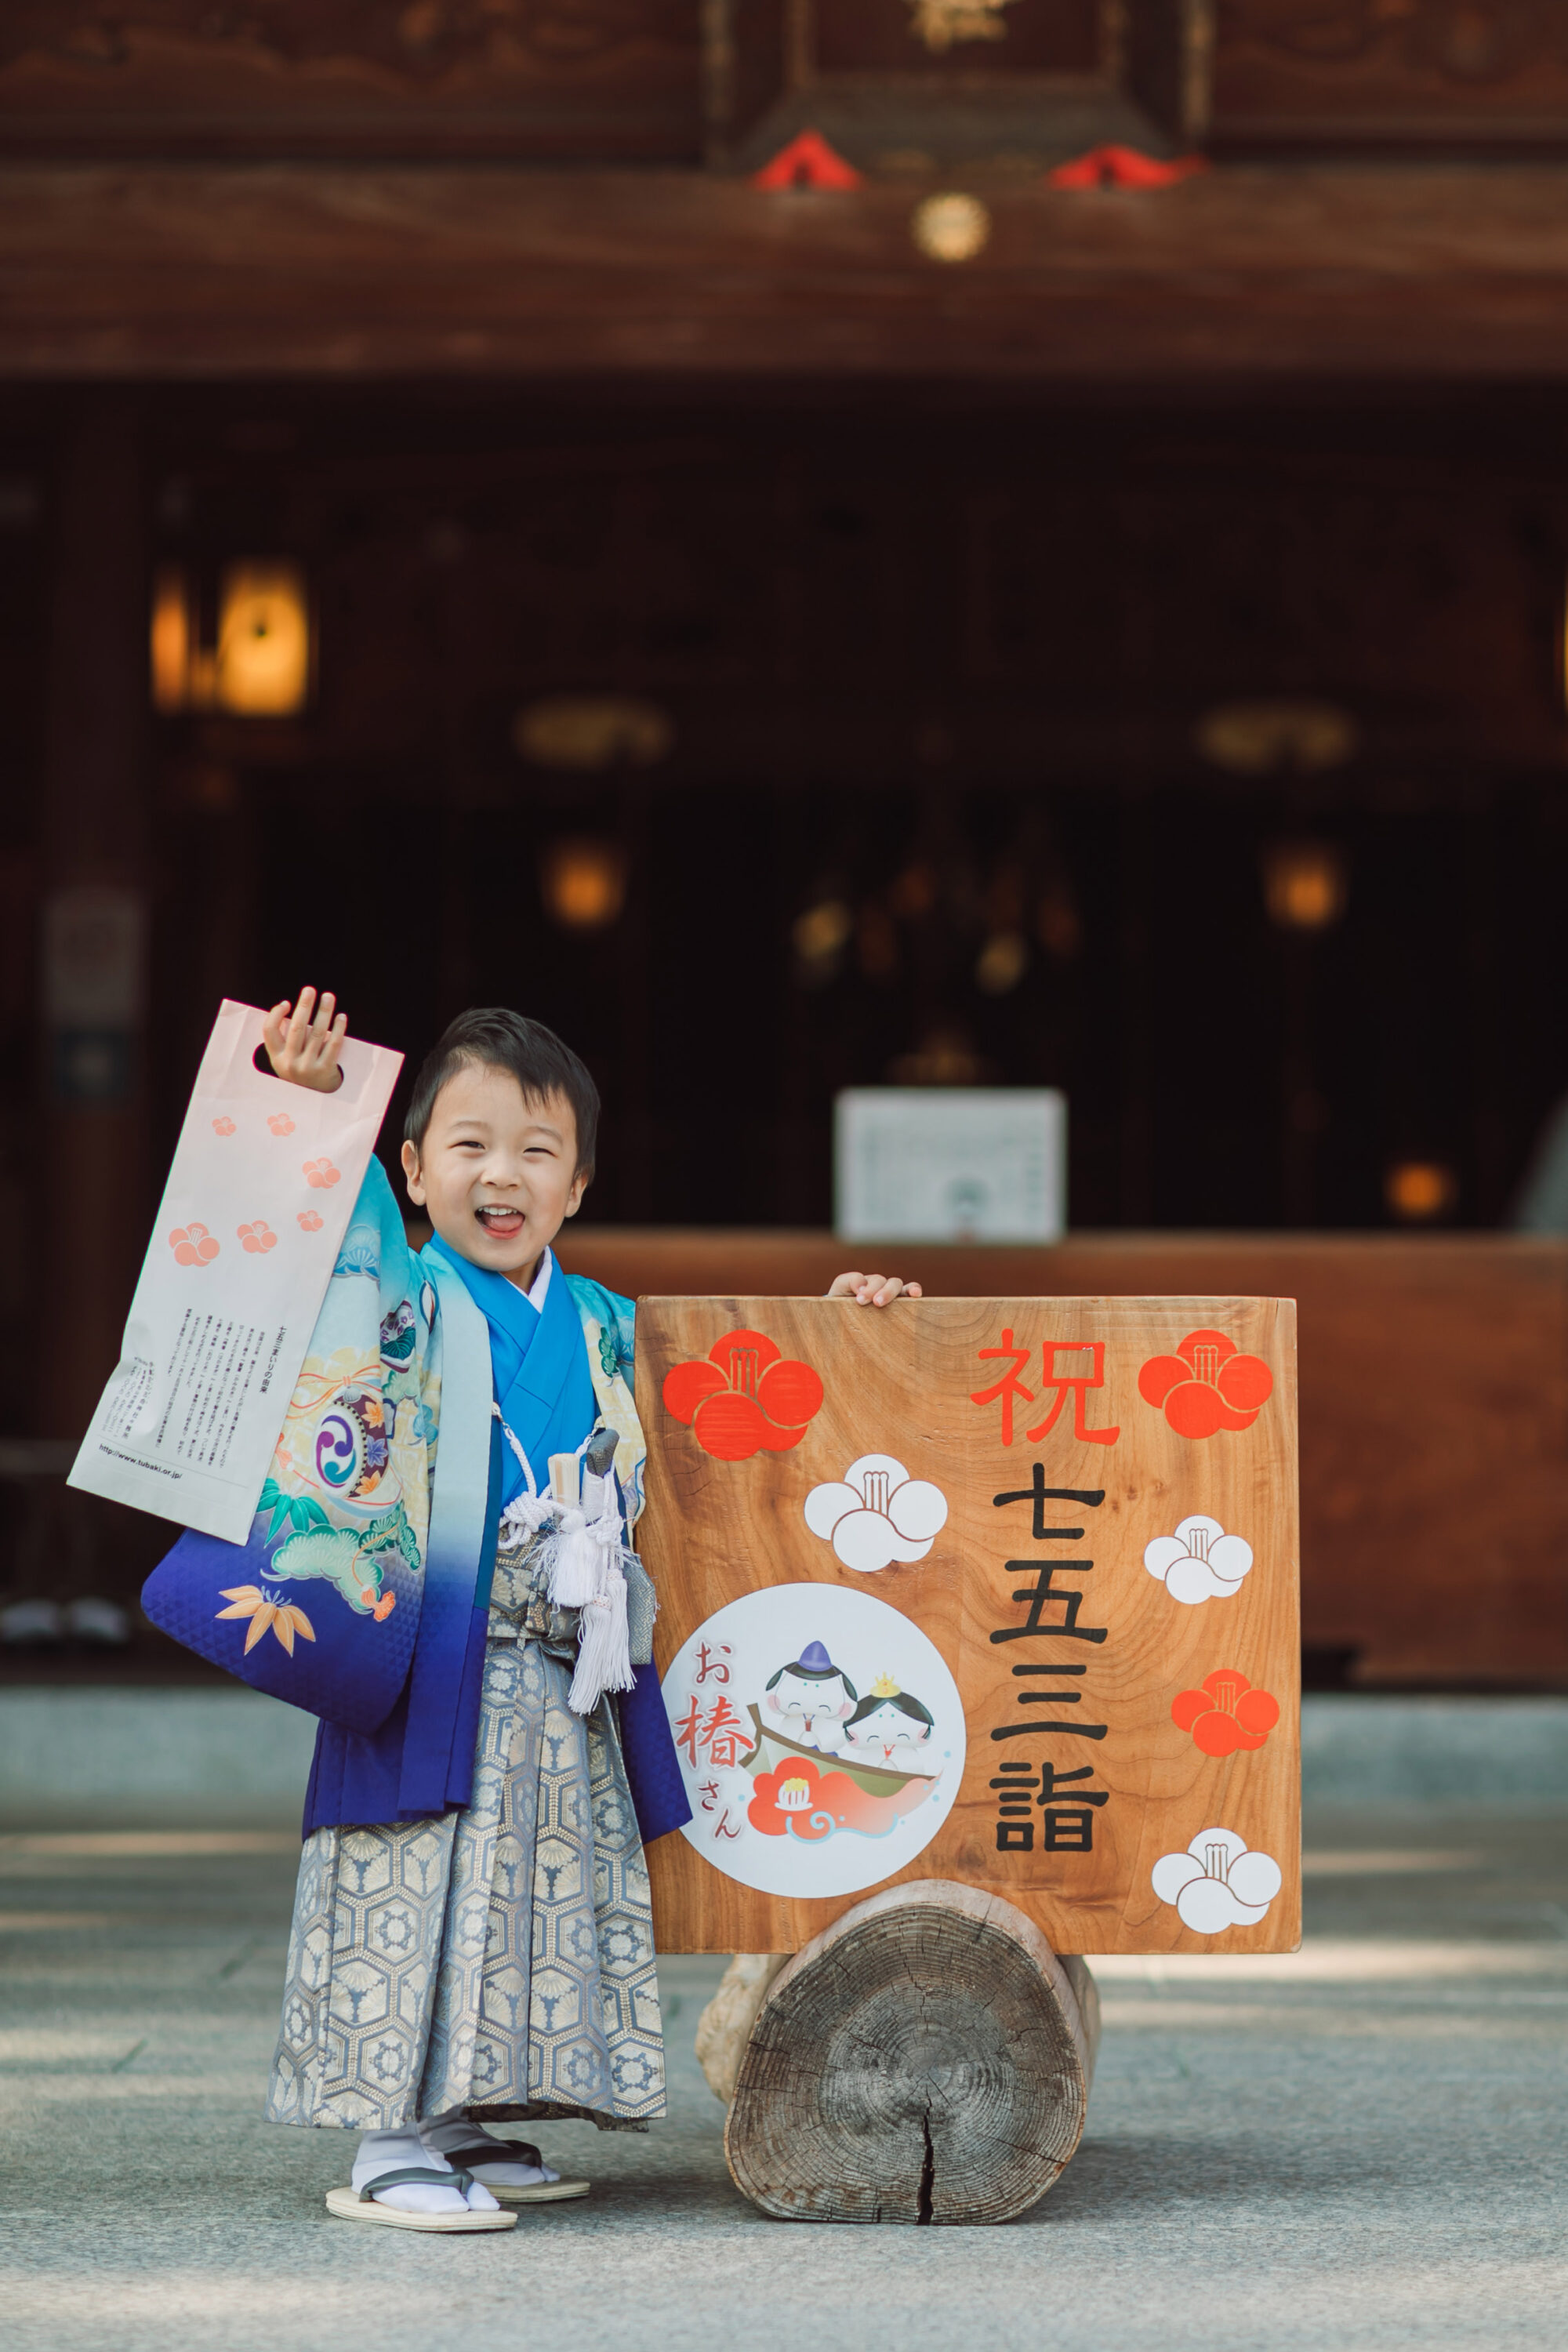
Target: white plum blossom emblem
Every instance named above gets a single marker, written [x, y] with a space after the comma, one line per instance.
[1199, 1562]
[876, 1514]
[1218, 1883]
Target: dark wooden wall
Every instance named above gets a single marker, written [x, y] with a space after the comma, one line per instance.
[948, 666]
[590, 80]
[931, 568]
[624, 80]
[1490, 74]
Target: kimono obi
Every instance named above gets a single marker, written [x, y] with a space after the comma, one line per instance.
[521, 1606]
[521, 1609]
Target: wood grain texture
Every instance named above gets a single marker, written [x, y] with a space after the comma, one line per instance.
[1434, 1412]
[1419, 72]
[927, 2058]
[1275, 273]
[901, 1382]
[604, 80]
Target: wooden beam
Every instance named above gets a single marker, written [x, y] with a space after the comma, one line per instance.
[1269, 273]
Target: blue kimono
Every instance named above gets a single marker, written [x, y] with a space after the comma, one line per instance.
[420, 1760]
[362, 1594]
[472, 1926]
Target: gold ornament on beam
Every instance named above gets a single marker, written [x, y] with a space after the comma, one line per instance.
[951, 226]
[942, 23]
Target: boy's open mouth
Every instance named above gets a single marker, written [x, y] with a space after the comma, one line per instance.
[501, 1224]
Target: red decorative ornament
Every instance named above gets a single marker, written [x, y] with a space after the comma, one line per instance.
[1207, 1385]
[808, 162]
[1123, 167]
[743, 1397]
[1225, 1714]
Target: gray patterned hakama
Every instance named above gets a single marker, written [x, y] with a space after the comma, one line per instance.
[499, 1959]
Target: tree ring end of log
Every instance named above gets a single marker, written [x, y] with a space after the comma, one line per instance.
[926, 2059]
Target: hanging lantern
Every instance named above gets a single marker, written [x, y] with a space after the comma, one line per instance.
[584, 882]
[1304, 884]
[263, 664]
[1001, 963]
[1418, 1191]
[819, 937]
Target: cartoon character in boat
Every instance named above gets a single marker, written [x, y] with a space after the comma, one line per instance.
[798, 1790]
[886, 1722]
[810, 1699]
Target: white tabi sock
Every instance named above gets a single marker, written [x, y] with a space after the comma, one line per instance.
[400, 2151]
[447, 2132]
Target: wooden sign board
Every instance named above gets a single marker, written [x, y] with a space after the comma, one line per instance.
[997, 1590]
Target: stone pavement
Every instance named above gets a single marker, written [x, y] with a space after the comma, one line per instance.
[1358, 2147]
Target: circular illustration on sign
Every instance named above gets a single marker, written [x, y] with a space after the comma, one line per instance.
[821, 1739]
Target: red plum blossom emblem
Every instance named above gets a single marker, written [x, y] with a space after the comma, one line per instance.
[745, 1397]
[193, 1246]
[321, 1173]
[1225, 1713]
[257, 1238]
[1207, 1385]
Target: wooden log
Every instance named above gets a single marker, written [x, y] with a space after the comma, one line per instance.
[725, 2026]
[927, 2058]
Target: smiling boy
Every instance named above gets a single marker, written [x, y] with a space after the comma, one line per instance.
[499, 1814]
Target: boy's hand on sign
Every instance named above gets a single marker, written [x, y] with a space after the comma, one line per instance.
[303, 1041]
[872, 1289]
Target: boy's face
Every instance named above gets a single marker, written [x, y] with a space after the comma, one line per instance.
[498, 1175]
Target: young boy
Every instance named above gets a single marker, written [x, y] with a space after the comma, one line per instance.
[472, 1937]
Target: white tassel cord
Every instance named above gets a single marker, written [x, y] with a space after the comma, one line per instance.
[580, 1560]
[572, 1556]
[605, 1650]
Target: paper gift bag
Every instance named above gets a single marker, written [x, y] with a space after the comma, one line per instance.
[264, 1179]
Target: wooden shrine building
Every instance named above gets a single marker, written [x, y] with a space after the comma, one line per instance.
[811, 542]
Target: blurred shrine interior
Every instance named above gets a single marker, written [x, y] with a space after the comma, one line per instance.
[462, 539]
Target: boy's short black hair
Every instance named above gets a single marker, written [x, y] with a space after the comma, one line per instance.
[499, 1040]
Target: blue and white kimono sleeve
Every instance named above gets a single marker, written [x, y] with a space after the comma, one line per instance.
[321, 1605]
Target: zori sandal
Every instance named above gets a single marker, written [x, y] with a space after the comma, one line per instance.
[487, 2156]
[359, 2204]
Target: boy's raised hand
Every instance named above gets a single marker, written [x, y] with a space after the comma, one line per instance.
[872, 1289]
[303, 1041]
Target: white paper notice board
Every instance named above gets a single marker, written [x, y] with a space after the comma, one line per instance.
[949, 1163]
[264, 1179]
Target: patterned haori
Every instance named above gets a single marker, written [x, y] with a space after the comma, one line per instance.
[498, 1957]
